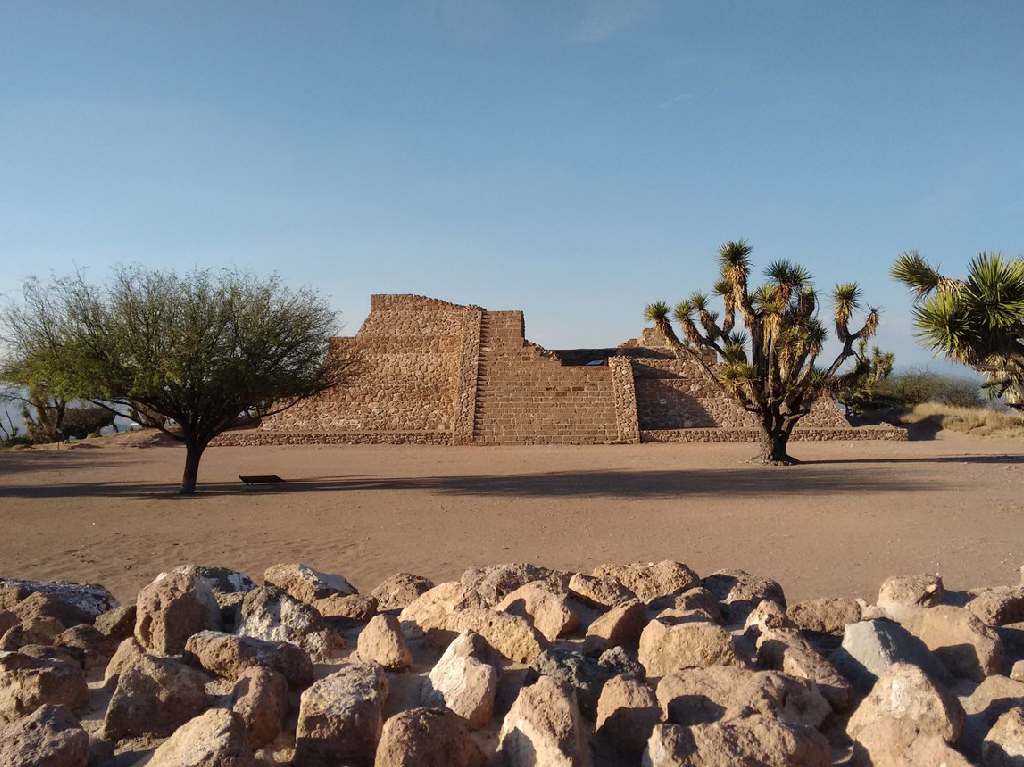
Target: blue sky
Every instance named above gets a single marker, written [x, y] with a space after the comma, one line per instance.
[574, 159]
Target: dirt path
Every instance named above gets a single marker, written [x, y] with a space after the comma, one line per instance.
[836, 525]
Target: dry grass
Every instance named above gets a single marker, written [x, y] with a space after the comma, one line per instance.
[979, 421]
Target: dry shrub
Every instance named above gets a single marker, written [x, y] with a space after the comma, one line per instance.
[980, 421]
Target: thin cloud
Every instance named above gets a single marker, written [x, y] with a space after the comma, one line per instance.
[602, 19]
[675, 100]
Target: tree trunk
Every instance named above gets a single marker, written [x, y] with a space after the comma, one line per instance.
[193, 452]
[774, 442]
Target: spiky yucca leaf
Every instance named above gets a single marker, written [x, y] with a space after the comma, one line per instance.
[912, 270]
[845, 299]
[996, 285]
[735, 347]
[656, 312]
[735, 376]
[734, 257]
[683, 312]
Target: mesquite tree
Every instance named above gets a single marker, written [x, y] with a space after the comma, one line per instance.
[769, 369]
[30, 375]
[978, 321]
[191, 355]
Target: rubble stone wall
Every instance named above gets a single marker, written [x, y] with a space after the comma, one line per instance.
[408, 359]
[426, 371]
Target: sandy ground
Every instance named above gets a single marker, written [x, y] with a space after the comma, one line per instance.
[838, 524]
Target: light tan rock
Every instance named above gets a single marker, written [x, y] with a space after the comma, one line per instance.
[1004, 744]
[549, 611]
[463, 681]
[341, 717]
[760, 741]
[154, 696]
[626, 713]
[510, 635]
[7, 620]
[85, 640]
[651, 580]
[487, 586]
[697, 598]
[983, 706]
[543, 728]
[904, 694]
[1017, 672]
[228, 586]
[787, 651]
[260, 698]
[171, 609]
[824, 616]
[229, 655]
[355, 607]
[666, 647]
[901, 591]
[694, 696]
[738, 592]
[381, 642]
[428, 613]
[28, 682]
[768, 615]
[599, 591]
[38, 630]
[886, 745]
[398, 591]
[427, 737]
[127, 654]
[966, 646]
[305, 584]
[998, 606]
[216, 738]
[620, 625]
[48, 737]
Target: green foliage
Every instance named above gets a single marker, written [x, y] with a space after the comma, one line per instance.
[860, 390]
[770, 369]
[978, 321]
[192, 354]
[920, 386]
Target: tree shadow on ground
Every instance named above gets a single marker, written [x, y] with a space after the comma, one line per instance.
[614, 483]
[1001, 458]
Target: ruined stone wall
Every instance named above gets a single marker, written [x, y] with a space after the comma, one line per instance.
[526, 395]
[679, 394]
[409, 359]
[432, 372]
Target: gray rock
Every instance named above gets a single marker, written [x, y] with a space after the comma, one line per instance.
[870, 647]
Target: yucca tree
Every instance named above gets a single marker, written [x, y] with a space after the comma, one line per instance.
[978, 321]
[770, 368]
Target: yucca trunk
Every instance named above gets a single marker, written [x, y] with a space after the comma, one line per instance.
[775, 443]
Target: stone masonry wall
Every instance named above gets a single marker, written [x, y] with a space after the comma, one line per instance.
[526, 395]
[432, 372]
[678, 394]
[409, 358]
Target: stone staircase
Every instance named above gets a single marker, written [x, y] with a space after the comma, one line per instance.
[526, 395]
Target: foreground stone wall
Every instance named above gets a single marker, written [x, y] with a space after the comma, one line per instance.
[431, 372]
[511, 665]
